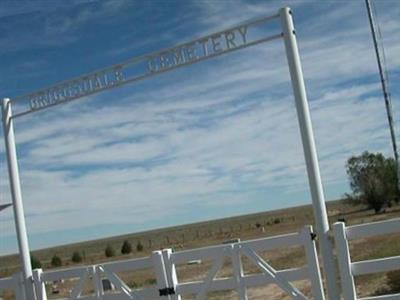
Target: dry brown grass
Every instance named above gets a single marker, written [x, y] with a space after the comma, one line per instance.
[243, 227]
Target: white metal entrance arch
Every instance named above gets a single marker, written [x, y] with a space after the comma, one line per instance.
[212, 45]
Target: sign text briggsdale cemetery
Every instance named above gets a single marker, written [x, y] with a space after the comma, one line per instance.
[144, 66]
[190, 52]
[76, 88]
[197, 50]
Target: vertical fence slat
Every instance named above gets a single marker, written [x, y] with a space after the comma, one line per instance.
[40, 285]
[97, 284]
[343, 253]
[314, 271]
[170, 271]
[160, 272]
[238, 272]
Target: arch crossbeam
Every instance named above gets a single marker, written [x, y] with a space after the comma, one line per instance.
[235, 38]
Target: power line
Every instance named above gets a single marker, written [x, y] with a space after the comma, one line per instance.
[381, 60]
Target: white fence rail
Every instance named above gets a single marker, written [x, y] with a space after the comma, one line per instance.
[14, 283]
[86, 281]
[349, 269]
[164, 263]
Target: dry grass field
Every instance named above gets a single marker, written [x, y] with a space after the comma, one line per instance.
[215, 232]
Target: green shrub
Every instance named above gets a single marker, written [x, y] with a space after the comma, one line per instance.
[35, 262]
[109, 251]
[132, 284]
[76, 257]
[393, 281]
[126, 248]
[373, 180]
[56, 261]
[139, 247]
[150, 281]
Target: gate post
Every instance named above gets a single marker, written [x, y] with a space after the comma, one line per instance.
[310, 152]
[238, 272]
[312, 262]
[16, 195]
[161, 275]
[170, 271]
[40, 286]
[343, 253]
[96, 281]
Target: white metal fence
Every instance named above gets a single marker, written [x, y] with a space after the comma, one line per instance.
[167, 285]
[349, 269]
[164, 263]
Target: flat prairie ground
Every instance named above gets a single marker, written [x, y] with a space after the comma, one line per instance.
[214, 232]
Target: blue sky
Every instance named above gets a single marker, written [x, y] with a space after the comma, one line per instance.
[211, 140]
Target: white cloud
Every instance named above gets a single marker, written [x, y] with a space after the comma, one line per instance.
[209, 134]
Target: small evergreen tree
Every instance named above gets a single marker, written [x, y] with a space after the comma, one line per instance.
[109, 251]
[76, 257]
[139, 247]
[126, 247]
[56, 261]
[35, 262]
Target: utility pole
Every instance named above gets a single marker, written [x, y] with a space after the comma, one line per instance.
[386, 93]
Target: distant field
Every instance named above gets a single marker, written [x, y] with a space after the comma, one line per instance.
[214, 232]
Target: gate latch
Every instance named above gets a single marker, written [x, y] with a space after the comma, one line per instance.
[167, 291]
[313, 236]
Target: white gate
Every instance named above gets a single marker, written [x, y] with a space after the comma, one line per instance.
[267, 275]
[349, 269]
[164, 264]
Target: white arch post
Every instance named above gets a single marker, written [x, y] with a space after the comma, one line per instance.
[15, 186]
[310, 152]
